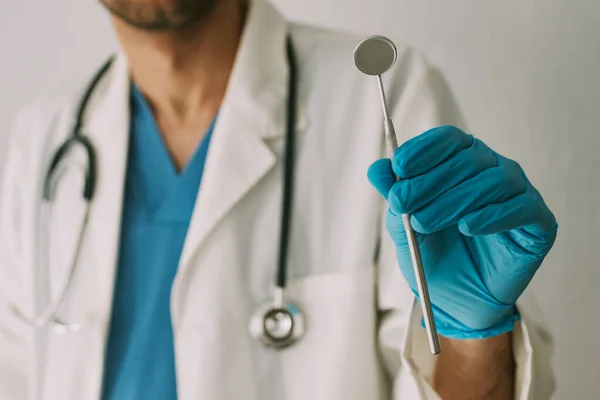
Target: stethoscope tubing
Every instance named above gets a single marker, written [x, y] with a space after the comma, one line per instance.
[48, 317]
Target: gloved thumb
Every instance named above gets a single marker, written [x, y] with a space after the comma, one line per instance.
[381, 175]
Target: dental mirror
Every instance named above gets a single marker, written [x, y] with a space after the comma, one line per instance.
[373, 56]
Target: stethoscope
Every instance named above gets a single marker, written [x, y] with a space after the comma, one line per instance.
[276, 323]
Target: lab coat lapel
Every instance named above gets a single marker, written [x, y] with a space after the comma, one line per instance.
[80, 358]
[253, 112]
[108, 128]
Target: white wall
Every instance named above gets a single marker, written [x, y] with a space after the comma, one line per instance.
[527, 73]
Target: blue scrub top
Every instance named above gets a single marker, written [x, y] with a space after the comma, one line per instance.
[158, 205]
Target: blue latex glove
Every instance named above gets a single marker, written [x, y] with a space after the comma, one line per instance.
[482, 228]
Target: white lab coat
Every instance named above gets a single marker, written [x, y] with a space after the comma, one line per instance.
[364, 339]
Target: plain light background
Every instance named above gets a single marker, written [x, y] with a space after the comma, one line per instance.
[526, 73]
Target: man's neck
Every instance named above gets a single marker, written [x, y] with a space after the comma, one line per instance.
[182, 73]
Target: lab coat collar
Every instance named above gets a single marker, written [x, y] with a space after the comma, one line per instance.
[245, 144]
[258, 86]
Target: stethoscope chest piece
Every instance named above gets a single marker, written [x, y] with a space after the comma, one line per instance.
[276, 326]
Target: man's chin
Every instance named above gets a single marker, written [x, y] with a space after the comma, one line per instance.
[159, 15]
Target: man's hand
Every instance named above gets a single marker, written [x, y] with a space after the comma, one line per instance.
[483, 231]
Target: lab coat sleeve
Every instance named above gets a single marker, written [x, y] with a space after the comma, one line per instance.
[424, 102]
[15, 337]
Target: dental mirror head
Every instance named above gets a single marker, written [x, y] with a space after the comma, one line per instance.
[375, 55]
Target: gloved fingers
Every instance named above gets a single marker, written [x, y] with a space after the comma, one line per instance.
[526, 212]
[492, 186]
[395, 226]
[422, 153]
[381, 176]
[408, 195]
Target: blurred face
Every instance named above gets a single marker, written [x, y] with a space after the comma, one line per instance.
[160, 15]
